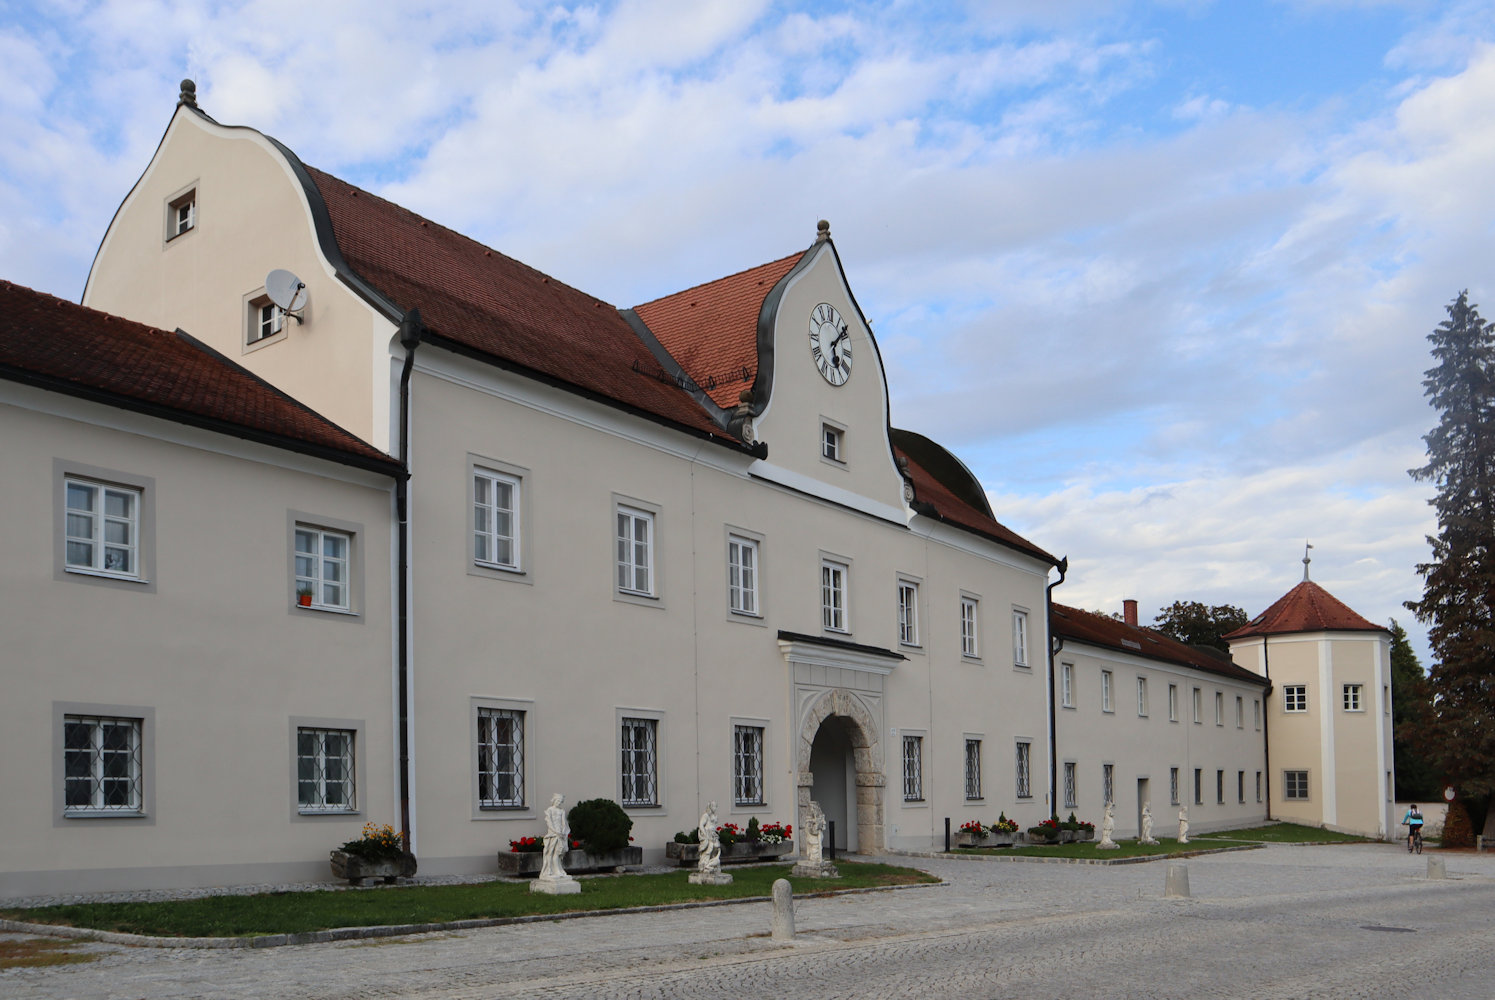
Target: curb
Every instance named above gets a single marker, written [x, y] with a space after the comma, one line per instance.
[400, 930]
[1143, 859]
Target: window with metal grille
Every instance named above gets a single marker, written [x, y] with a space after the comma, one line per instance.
[973, 769]
[324, 770]
[833, 596]
[500, 758]
[103, 528]
[747, 765]
[1220, 787]
[742, 575]
[1173, 785]
[1240, 786]
[1295, 784]
[1199, 786]
[1071, 782]
[1295, 697]
[322, 566]
[101, 764]
[1024, 771]
[495, 519]
[908, 613]
[1258, 786]
[913, 768]
[635, 551]
[1352, 697]
[969, 645]
[1108, 783]
[640, 764]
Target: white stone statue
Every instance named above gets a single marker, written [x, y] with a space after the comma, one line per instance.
[709, 857]
[1147, 837]
[553, 878]
[1183, 825]
[1107, 827]
[814, 864]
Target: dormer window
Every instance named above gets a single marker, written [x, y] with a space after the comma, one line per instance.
[181, 214]
[832, 443]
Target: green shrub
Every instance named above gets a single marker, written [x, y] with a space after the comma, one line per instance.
[601, 825]
[1457, 830]
[752, 836]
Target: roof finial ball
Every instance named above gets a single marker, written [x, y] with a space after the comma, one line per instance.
[822, 231]
[188, 95]
[1306, 560]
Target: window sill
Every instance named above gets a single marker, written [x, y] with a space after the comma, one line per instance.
[329, 812]
[745, 614]
[105, 575]
[326, 610]
[642, 805]
[517, 807]
[499, 568]
[972, 658]
[104, 814]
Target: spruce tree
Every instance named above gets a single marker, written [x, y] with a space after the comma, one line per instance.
[1458, 598]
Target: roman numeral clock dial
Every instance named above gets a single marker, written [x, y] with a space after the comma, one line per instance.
[830, 344]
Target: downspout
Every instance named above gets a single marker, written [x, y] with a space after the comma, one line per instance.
[411, 330]
[1054, 647]
[1266, 721]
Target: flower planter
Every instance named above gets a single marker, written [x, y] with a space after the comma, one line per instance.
[356, 870]
[985, 840]
[740, 853]
[575, 862]
[1085, 833]
[1068, 836]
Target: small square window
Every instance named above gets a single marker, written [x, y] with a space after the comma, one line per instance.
[908, 613]
[833, 596]
[832, 443]
[747, 765]
[1295, 697]
[103, 528]
[973, 769]
[102, 765]
[266, 320]
[913, 768]
[324, 770]
[181, 215]
[635, 538]
[1352, 699]
[1295, 785]
[495, 519]
[969, 637]
[322, 568]
[742, 575]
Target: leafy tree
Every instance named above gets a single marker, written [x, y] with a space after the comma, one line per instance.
[1458, 597]
[1417, 775]
[1199, 624]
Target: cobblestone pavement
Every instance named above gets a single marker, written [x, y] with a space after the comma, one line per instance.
[1283, 922]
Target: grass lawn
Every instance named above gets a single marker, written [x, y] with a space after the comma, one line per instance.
[1087, 849]
[1282, 833]
[18, 954]
[298, 912]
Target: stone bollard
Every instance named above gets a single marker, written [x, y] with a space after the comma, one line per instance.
[1177, 884]
[1436, 869]
[783, 910]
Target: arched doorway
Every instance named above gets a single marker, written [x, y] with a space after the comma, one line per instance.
[839, 767]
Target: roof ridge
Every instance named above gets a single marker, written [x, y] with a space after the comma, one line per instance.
[725, 277]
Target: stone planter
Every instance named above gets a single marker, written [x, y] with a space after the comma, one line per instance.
[1039, 839]
[1085, 833]
[740, 853]
[575, 862]
[357, 870]
[986, 840]
[1068, 836]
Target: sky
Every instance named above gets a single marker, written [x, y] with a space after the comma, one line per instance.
[1160, 273]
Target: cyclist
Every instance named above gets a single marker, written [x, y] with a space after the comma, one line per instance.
[1413, 822]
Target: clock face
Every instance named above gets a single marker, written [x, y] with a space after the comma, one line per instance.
[830, 344]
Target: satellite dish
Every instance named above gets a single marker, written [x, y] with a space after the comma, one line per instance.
[286, 290]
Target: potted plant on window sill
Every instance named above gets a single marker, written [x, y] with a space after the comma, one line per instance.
[303, 596]
[379, 853]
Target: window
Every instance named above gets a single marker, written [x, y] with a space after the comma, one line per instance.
[913, 768]
[322, 567]
[1198, 786]
[969, 645]
[1142, 696]
[635, 536]
[495, 519]
[102, 765]
[1105, 691]
[1024, 771]
[500, 758]
[1386, 698]
[742, 575]
[1295, 697]
[1020, 638]
[1219, 708]
[1071, 780]
[973, 769]
[103, 528]
[833, 596]
[266, 319]
[747, 765]
[324, 770]
[1352, 698]
[1067, 684]
[1240, 712]
[181, 215]
[1240, 786]
[832, 440]
[1108, 783]
[1173, 785]
[1295, 785]
[1220, 787]
[1256, 714]
[640, 764]
[1172, 702]
[1258, 786]
[1198, 707]
[908, 613]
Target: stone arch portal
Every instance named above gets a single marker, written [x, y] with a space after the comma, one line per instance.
[839, 714]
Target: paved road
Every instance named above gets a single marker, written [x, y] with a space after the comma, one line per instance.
[1290, 922]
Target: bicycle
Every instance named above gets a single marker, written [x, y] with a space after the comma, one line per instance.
[1414, 839]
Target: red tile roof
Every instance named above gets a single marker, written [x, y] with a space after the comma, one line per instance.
[1306, 608]
[477, 298]
[944, 504]
[58, 345]
[1112, 633]
[712, 329]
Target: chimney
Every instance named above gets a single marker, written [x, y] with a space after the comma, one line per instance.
[1129, 611]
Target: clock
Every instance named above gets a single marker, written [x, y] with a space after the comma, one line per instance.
[830, 344]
